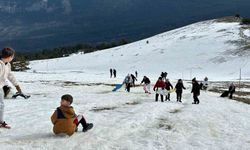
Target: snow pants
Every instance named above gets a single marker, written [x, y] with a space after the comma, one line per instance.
[80, 120]
[167, 97]
[156, 97]
[1, 105]
[179, 96]
[146, 88]
[128, 85]
[196, 99]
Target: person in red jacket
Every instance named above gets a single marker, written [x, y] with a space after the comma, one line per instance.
[159, 88]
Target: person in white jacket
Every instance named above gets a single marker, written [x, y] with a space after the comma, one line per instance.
[7, 55]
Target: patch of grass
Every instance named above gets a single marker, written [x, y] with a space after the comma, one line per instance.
[245, 21]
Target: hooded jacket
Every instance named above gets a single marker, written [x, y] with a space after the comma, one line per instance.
[63, 120]
[5, 73]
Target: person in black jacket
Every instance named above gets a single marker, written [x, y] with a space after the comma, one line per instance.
[114, 73]
[111, 72]
[231, 90]
[179, 87]
[134, 79]
[168, 87]
[146, 85]
[195, 91]
[136, 74]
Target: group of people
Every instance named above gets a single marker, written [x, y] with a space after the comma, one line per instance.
[129, 81]
[163, 87]
[112, 73]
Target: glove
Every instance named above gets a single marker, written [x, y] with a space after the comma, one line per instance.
[18, 89]
[154, 89]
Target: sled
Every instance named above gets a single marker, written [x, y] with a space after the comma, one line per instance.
[117, 87]
[225, 94]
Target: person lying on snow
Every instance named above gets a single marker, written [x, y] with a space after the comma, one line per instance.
[65, 120]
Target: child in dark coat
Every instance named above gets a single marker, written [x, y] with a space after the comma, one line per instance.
[168, 87]
[179, 87]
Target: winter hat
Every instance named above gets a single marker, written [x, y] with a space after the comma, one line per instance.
[160, 78]
[67, 98]
[194, 79]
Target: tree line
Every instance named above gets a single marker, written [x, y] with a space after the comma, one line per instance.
[22, 59]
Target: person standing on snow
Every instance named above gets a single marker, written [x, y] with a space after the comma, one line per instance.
[111, 72]
[114, 73]
[146, 85]
[136, 74]
[168, 87]
[6, 74]
[179, 88]
[159, 88]
[204, 84]
[231, 90]
[195, 91]
[134, 79]
[164, 75]
[128, 82]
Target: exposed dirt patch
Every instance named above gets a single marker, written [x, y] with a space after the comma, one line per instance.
[175, 111]
[132, 103]
[165, 124]
[241, 96]
[98, 109]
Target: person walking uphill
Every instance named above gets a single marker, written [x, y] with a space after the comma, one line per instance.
[128, 82]
[159, 88]
[168, 87]
[134, 79]
[7, 55]
[65, 120]
[146, 85]
[179, 87]
[195, 91]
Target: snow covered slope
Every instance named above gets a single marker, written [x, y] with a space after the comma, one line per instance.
[210, 48]
[123, 121]
[134, 121]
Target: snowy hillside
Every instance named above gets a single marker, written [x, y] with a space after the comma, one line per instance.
[134, 121]
[210, 48]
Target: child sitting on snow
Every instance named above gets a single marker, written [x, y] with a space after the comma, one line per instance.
[65, 120]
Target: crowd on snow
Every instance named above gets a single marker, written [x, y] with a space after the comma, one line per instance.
[163, 88]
